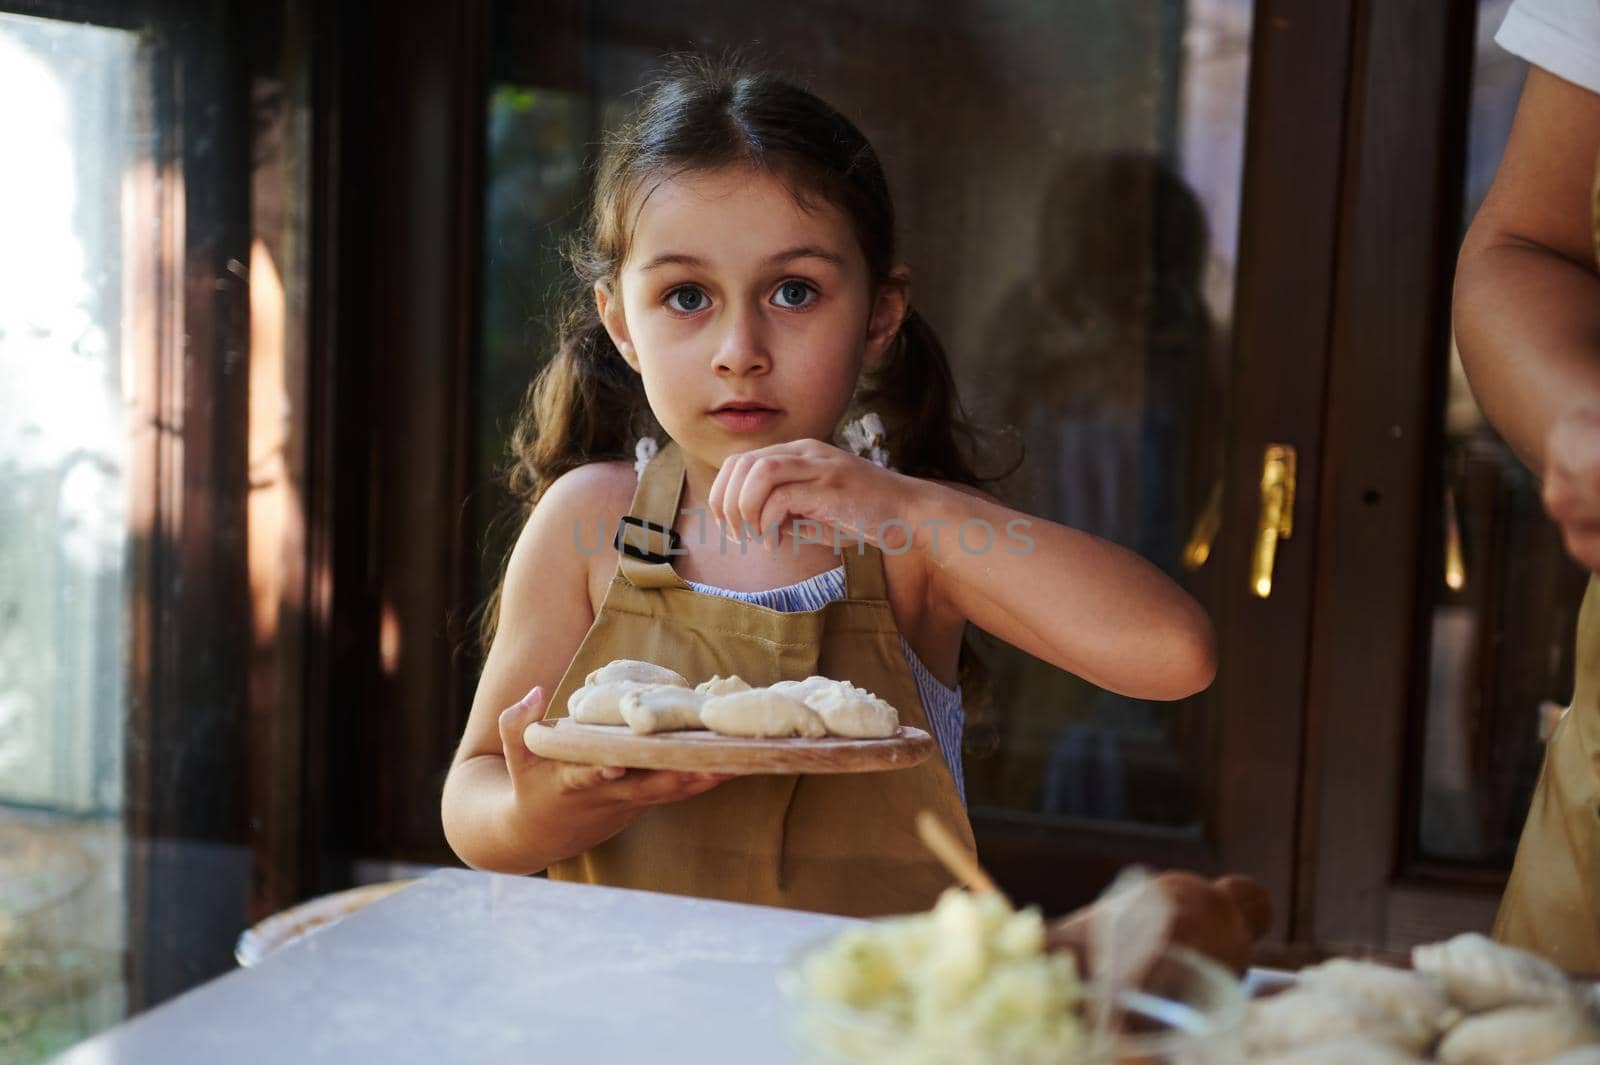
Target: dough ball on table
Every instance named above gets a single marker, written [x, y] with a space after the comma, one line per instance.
[720, 685]
[601, 704]
[1518, 1034]
[1413, 1000]
[1480, 974]
[637, 671]
[854, 712]
[666, 708]
[1352, 1051]
[801, 689]
[761, 713]
[1304, 1017]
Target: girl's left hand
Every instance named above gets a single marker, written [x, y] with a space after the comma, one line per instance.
[848, 497]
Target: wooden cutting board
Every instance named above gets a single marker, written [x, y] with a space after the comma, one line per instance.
[701, 751]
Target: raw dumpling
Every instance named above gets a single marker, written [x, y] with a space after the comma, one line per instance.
[1480, 974]
[1352, 1051]
[665, 708]
[760, 712]
[635, 670]
[601, 704]
[800, 689]
[1413, 1000]
[1518, 1034]
[854, 712]
[720, 685]
[1304, 1017]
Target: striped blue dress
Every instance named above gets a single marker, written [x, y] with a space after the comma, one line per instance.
[945, 713]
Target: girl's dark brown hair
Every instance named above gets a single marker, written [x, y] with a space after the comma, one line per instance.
[587, 405]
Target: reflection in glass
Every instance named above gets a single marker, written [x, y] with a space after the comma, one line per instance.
[63, 531]
[1067, 182]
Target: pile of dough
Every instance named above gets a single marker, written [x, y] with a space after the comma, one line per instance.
[599, 700]
[1519, 1033]
[1466, 1001]
[760, 713]
[1304, 1017]
[841, 708]
[802, 689]
[649, 698]
[663, 708]
[601, 704]
[1481, 974]
[720, 685]
[1413, 1001]
[854, 712]
[635, 670]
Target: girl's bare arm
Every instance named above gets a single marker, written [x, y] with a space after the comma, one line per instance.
[1078, 602]
[504, 808]
[1527, 295]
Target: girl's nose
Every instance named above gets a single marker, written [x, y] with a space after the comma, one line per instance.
[743, 349]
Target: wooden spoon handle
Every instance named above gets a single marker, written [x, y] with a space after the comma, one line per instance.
[944, 845]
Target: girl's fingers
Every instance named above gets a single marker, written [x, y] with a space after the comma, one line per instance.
[717, 498]
[514, 720]
[584, 777]
[765, 477]
[779, 510]
[642, 787]
[736, 469]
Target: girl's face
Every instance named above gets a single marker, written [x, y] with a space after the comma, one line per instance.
[734, 294]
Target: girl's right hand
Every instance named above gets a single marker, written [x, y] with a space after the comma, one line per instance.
[613, 790]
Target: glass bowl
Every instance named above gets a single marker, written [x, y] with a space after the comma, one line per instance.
[1188, 1010]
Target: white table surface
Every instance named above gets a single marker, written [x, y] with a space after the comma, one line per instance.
[467, 967]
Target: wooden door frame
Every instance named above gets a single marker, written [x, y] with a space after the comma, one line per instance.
[408, 184]
[1400, 218]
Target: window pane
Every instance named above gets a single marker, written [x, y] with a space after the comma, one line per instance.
[64, 449]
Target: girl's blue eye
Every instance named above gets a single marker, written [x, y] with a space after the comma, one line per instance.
[793, 293]
[686, 299]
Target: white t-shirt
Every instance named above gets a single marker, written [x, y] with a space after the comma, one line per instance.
[1562, 36]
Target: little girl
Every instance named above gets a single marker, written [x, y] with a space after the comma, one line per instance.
[745, 299]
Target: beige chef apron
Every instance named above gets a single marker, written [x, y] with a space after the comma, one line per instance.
[838, 843]
[1550, 904]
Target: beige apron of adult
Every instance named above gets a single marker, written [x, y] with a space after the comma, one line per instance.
[836, 843]
[1550, 904]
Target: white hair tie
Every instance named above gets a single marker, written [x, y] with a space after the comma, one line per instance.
[865, 436]
[643, 452]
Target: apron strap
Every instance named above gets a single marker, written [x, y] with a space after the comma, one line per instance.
[863, 571]
[646, 539]
[645, 536]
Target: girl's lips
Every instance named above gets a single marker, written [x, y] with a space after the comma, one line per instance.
[745, 421]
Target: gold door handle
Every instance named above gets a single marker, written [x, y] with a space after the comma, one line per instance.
[1277, 515]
